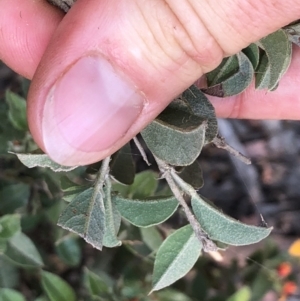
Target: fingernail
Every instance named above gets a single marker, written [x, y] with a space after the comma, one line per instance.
[87, 110]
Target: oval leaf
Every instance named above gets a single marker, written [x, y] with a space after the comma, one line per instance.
[262, 79]
[223, 228]
[21, 250]
[252, 52]
[9, 225]
[151, 237]
[42, 160]
[176, 136]
[147, 212]
[69, 251]
[279, 51]
[70, 188]
[237, 82]
[176, 256]
[7, 294]
[56, 288]
[85, 216]
[201, 107]
[192, 174]
[122, 166]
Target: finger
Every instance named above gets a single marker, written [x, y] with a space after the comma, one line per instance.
[113, 66]
[26, 28]
[283, 103]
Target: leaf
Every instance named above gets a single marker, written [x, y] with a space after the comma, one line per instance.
[56, 288]
[231, 83]
[112, 222]
[223, 228]
[70, 188]
[9, 274]
[192, 174]
[13, 196]
[122, 166]
[3, 245]
[7, 294]
[243, 294]
[21, 251]
[9, 225]
[201, 107]
[252, 52]
[42, 160]
[17, 110]
[176, 256]
[144, 185]
[293, 32]
[151, 237]
[172, 295]
[176, 136]
[262, 79]
[68, 250]
[279, 51]
[85, 216]
[96, 285]
[146, 212]
[261, 284]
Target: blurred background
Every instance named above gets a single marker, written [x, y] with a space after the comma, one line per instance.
[266, 192]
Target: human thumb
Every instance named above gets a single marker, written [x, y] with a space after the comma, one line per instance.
[113, 65]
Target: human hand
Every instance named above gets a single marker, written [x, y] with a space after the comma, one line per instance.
[105, 70]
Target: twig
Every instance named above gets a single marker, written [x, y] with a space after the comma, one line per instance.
[102, 174]
[220, 142]
[141, 150]
[208, 245]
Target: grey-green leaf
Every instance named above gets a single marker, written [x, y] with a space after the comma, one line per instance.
[201, 107]
[252, 52]
[151, 237]
[223, 228]
[146, 212]
[237, 82]
[279, 51]
[68, 250]
[176, 136]
[9, 225]
[42, 160]
[17, 110]
[85, 216]
[7, 294]
[21, 250]
[176, 256]
[56, 288]
[70, 188]
[9, 274]
[192, 174]
[263, 72]
[112, 222]
[122, 166]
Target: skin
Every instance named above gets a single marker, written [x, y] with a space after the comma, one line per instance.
[160, 47]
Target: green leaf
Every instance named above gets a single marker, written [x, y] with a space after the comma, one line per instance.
[9, 274]
[3, 245]
[279, 51]
[21, 251]
[122, 166]
[42, 160]
[176, 136]
[146, 212]
[96, 285]
[236, 75]
[172, 295]
[7, 294]
[223, 228]
[17, 110]
[13, 196]
[192, 174]
[70, 188]
[56, 288]
[252, 52]
[243, 294]
[176, 256]
[68, 250]
[261, 284]
[9, 225]
[201, 107]
[85, 216]
[262, 79]
[112, 222]
[151, 237]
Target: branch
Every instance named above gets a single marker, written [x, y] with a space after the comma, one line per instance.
[141, 150]
[102, 174]
[167, 173]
